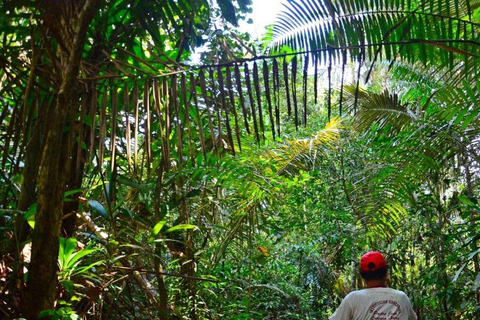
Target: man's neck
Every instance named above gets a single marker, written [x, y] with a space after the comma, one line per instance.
[381, 283]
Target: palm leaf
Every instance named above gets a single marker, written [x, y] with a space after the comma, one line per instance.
[297, 155]
[378, 26]
[381, 109]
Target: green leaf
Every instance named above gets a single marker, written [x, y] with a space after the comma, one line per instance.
[79, 255]
[97, 206]
[30, 215]
[46, 313]
[466, 201]
[130, 182]
[67, 247]
[468, 119]
[69, 286]
[228, 11]
[455, 278]
[473, 254]
[476, 284]
[158, 227]
[193, 193]
[181, 227]
[79, 270]
[69, 193]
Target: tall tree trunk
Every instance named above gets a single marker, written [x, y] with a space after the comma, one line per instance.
[75, 174]
[42, 277]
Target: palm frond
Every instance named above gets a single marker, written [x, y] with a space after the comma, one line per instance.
[426, 31]
[385, 110]
[301, 154]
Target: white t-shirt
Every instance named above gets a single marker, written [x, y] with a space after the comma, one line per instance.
[375, 304]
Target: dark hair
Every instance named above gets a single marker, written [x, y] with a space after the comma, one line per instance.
[374, 275]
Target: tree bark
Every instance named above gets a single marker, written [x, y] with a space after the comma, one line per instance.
[74, 176]
[42, 278]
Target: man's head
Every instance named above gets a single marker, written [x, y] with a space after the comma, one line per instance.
[373, 266]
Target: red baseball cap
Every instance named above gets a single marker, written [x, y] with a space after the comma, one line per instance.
[372, 261]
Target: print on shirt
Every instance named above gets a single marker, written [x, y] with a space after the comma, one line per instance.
[385, 310]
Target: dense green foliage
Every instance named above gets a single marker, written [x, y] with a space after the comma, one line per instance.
[162, 217]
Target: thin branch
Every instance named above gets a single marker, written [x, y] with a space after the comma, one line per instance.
[164, 274]
[437, 43]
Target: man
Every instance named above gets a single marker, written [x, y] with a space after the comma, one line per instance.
[377, 301]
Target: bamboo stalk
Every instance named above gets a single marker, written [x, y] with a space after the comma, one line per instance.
[167, 103]
[93, 115]
[126, 104]
[135, 132]
[148, 136]
[103, 127]
[114, 127]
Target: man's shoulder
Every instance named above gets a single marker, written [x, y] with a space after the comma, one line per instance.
[377, 291]
[398, 292]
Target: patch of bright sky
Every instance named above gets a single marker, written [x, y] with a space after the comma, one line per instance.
[264, 14]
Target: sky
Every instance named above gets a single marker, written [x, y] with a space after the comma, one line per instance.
[264, 13]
